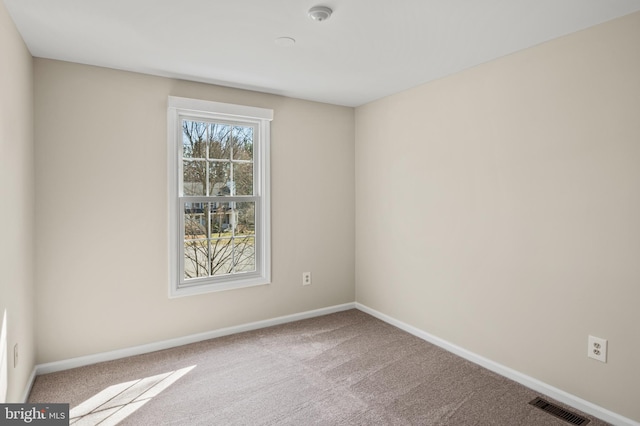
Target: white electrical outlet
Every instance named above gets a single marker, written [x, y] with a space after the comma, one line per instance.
[597, 348]
[306, 278]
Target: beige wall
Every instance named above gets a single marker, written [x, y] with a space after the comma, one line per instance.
[102, 211]
[499, 209]
[16, 203]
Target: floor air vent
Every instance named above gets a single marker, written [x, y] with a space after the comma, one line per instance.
[560, 413]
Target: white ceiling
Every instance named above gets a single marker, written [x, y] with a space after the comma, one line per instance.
[367, 50]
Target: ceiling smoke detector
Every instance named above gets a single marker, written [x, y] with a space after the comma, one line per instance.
[320, 13]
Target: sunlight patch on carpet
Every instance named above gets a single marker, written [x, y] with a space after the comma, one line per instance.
[116, 402]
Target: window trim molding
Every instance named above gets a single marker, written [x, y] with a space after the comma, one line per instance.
[176, 108]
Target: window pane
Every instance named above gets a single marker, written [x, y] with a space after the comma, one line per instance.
[221, 215]
[242, 143]
[196, 259]
[196, 244]
[244, 256]
[220, 141]
[222, 256]
[194, 137]
[194, 177]
[219, 178]
[243, 178]
[195, 221]
[246, 218]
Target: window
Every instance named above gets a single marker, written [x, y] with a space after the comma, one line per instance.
[218, 196]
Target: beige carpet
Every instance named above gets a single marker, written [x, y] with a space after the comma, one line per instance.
[346, 368]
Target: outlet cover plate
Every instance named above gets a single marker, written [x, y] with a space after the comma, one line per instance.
[306, 278]
[597, 348]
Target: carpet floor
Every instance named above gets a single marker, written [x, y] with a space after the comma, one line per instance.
[346, 368]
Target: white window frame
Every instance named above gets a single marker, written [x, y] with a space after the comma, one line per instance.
[186, 108]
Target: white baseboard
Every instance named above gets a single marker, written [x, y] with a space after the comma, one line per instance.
[530, 382]
[172, 343]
